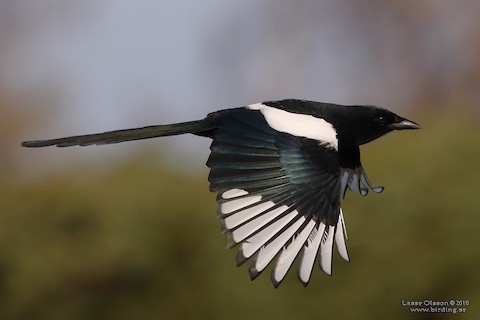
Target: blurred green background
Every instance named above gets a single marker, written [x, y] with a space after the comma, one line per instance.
[130, 231]
[141, 240]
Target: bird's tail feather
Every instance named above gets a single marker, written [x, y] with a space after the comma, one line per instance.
[195, 127]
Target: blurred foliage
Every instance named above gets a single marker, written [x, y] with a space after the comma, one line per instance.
[142, 241]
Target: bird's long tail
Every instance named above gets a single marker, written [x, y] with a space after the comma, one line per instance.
[199, 127]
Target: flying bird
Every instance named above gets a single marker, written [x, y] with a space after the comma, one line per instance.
[280, 170]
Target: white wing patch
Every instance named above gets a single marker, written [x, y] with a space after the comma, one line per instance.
[271, 231]
[326, 250]
[244, 215]
[340, 236]
[289, 253]
[233, 205]
[268, 252]
[309, 253]
[300, 125]
[241, 233]
[233, 193]
[252, 244]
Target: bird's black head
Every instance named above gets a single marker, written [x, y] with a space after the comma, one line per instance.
[367, 123]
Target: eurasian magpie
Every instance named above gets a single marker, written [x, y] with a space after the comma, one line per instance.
[280, 170]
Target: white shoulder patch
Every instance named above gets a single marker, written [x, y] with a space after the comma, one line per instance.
[300, 125]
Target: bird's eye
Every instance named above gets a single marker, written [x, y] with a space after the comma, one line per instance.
[381, 120]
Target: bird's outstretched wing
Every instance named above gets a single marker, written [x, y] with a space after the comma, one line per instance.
[278, 195]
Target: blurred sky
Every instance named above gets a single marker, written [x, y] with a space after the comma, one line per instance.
[71, 67]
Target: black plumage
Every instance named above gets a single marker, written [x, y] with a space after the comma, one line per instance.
[280, 170]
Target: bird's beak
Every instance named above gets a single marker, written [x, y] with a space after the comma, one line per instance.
[404, 124]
